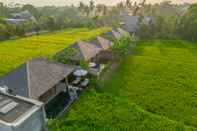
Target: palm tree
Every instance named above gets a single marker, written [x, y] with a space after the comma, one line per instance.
[120, 5]
[92, 6]
[87, 11]
[105, 9]
[81, 6]
[99, 8]
[128, 4]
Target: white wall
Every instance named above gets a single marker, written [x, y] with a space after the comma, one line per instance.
[34, 123]
[5, 128]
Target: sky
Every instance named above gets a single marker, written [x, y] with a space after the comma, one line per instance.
[76, 2]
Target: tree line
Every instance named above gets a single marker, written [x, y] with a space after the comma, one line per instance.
[170, 22]
[53, 18]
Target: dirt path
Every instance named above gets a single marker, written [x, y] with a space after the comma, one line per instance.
[109, 71]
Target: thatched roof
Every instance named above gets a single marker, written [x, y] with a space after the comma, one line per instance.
[84, 51]
[116, 34]
[36, 77]
[23, 15]
[14, 21]
[123, 32]
[112, 35]
[102, 43]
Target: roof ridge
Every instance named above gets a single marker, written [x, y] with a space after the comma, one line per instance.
[81, 48]
[28, 78]
[105, 43]
[90, 46]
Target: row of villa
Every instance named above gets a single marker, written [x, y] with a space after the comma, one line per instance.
[30, 94]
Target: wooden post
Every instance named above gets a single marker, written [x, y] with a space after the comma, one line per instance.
[66, 82]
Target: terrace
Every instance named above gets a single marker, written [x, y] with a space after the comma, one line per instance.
[11, 109]
[19, 113]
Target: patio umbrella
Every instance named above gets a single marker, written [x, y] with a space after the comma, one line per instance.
[92, 64]
[80, 73]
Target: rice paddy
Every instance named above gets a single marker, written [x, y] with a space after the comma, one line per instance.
[15, 52]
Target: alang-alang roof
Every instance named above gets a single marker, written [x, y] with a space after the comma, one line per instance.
[102, 43]
[36, 77]
[84, 51]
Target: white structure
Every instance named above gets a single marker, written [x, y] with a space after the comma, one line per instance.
[21, 114]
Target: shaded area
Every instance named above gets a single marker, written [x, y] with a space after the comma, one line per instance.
[57, 105]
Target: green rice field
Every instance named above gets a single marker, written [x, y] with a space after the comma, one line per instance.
[155, 89]
[15, 52]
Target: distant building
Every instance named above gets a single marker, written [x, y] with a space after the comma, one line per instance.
[130, 22]
[21, 114]
[26, 15]
[20, 18]
[14, 21]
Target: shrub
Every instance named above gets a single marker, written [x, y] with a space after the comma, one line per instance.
[123, 46]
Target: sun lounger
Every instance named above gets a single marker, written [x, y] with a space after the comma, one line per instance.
[75, 82]
[85, 83]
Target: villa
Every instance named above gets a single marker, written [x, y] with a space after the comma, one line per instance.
[38, 79]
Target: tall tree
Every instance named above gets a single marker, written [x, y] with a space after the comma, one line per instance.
[188, 25]
[120, 5]
[31, 9]
[81, 6]
[128, 4]
[92, 5]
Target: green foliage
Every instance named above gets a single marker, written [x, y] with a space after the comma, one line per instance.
[84, 64]
[161, 79]
[161, 27]
[170, 22]
[188, 25]
[123, 46]
[31, 9]
[4, 34]
[51, 18]
[15, 52]
[4, 10]
[50, 23]
[65, 55]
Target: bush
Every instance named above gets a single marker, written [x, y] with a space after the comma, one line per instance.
[123, 46]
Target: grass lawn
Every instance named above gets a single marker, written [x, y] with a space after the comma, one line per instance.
[15, 52]
[104, 112]
[153, 90]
